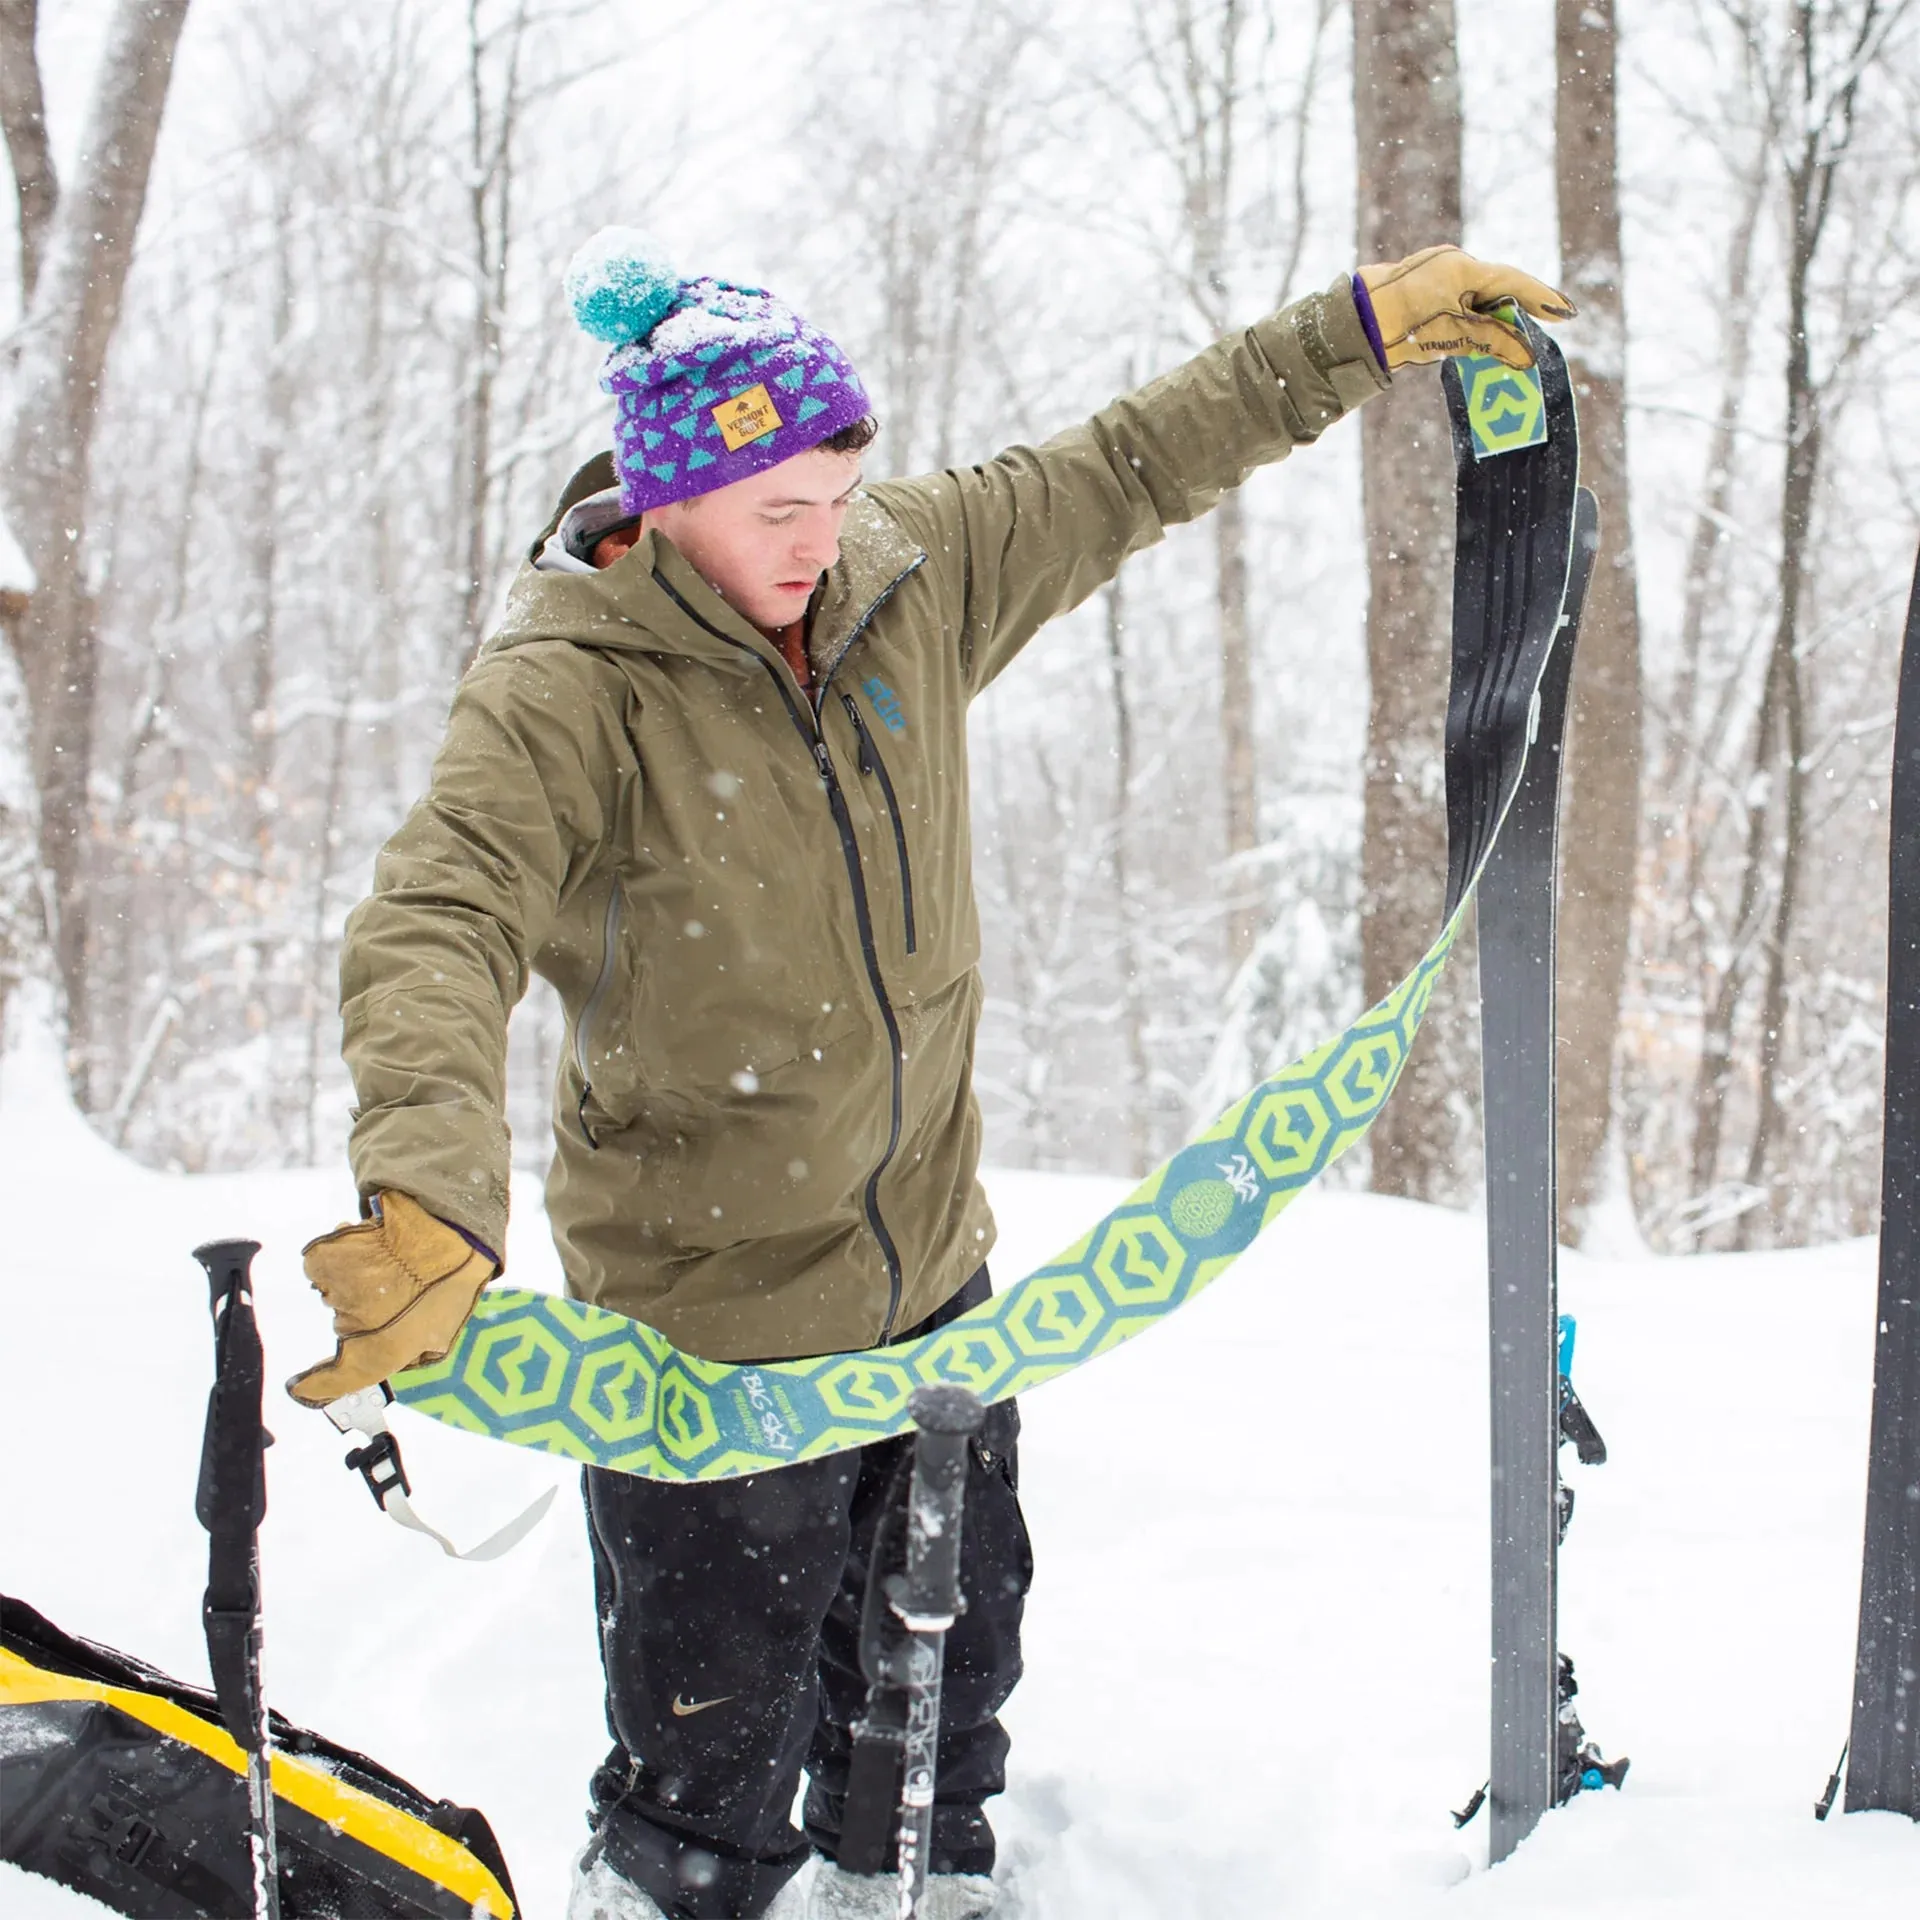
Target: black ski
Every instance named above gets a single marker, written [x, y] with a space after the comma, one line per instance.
[1525, 538]
[1517, 953]
[1883, 1770]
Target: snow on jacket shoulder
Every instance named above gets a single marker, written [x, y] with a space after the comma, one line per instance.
[756, 905]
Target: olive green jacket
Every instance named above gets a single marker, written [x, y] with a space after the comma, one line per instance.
[756, 904]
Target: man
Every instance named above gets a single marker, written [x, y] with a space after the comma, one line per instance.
[710, 779]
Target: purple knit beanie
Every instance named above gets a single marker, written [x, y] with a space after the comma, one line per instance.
[711, 382]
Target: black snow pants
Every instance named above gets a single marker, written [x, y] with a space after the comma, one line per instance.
[729, 1630]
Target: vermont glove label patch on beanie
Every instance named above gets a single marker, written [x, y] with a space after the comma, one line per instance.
[747, 417]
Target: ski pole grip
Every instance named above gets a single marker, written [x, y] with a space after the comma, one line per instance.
[950, 1412]
[947, 1419]
[229, 1265]
[232, 1496]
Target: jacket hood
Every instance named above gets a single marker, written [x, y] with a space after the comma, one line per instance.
[582, 527]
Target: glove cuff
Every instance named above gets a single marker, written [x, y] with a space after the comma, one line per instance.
[1363, 303]
[370, 1210]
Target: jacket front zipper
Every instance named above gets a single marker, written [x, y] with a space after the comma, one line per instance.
[806, 721]
[870, 762]
[583, 1025]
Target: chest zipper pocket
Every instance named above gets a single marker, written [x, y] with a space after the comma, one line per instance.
[871, 763]
[583, 1027]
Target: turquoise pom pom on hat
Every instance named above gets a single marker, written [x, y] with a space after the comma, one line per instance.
[711, 382]
[619, 289]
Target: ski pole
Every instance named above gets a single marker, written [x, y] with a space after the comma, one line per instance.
[913, 1595]
[231, 1501]
[874, 1770]
[926, 1601]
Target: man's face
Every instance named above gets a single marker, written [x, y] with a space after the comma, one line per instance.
[764, 542]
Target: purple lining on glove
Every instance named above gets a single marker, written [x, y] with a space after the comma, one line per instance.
[474, 1241]
[1363, 300]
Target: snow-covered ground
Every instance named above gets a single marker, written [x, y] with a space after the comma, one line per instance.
[1257, 1646]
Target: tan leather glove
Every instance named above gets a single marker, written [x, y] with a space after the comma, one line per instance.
[1432, 305]
[400, 1286]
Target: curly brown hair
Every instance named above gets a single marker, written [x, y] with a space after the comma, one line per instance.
[854, 439]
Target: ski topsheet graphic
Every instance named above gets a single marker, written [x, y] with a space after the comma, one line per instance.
[594, 1386]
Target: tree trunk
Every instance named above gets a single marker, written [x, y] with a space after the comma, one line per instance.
[489, 166]
[261, 635]
[1816, 133]
[1692, 749]
[322, 960]
[22, 926]
[1204, 66]
[23, 115]
[1133, 1007]
[1804, 444]
[1236, 728]
[1407, 126]
[62, 359]
[1687, 743]
[1602, 772]
[1715, 1077]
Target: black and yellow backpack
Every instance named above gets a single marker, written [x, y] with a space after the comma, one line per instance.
[164, 1801]
[121, 1783]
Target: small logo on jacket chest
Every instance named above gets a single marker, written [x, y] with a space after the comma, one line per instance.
[886, 703]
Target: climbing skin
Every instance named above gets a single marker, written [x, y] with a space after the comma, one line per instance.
[594, 1386]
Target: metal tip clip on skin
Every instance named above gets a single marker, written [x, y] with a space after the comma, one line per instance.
[378, 1463]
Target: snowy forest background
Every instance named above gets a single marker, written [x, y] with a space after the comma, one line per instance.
[342, 390]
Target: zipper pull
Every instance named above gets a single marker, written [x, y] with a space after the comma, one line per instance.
[823, 760]
[860, 733]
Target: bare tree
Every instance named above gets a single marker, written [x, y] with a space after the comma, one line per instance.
[495, 81]
[509, 72]
[23, 116]
[22, 922]
[1133, 999]
[1707, 544]
[1679, 910]
[926, 195]
[1200, 68]
[60, 359]
[1602, 773]
[1202, 94]
[1814, 70]
[1406, 95]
